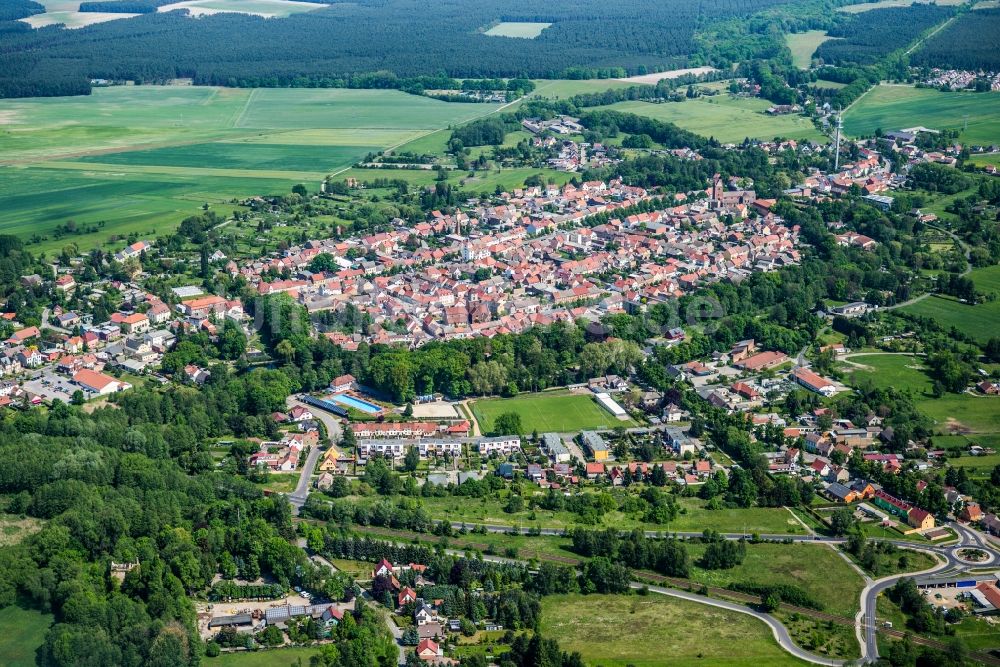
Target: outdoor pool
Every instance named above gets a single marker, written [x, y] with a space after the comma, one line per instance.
[356, 403]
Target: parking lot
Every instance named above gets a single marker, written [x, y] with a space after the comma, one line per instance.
[50, 386]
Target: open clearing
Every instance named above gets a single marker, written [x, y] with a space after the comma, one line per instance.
[693, 518]
[557, 411]
[524, 30]
[655, 78]
[22, 631]
[803, 45]
[882, 4]
[141, 158]
[815, 568]
[892, 107]
[726, 118]
[618, 630]
[73, 20]
[265, 8]
[970, 413]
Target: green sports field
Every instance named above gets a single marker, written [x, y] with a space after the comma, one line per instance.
[726, 118]
[894, 107]
[557, 411]
[139, 159]
[619, 630]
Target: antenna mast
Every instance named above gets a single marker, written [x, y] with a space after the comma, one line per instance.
[836, 155]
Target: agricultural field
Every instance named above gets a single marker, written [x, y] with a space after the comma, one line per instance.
[558, 411]
[803, 45]
[893, 107]
[815, 568]
[604, 629]
[140, 159]
[265, 8]
[22, 631]
[726, 118]
[523, 30]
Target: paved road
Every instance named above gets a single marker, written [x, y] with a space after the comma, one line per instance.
[950, 566]
[298, 497]
[779, 631]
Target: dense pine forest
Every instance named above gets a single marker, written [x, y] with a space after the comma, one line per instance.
[327, 46]
[868, 37]
[968, 43]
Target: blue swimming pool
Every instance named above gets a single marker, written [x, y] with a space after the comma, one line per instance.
[356, 403]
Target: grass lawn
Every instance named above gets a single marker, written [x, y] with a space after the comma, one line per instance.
[821, 637]
[558, 411]
[269, 658]
[524, 30]
[979, 321]
[976, 466]
[356, 569]
[618, 630]
[815, 568]
[139, 159]
[893, 107]
[726, 118]
[889, 370]
[22, 631]
[803, 45]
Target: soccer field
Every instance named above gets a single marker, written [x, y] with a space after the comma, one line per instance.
[560, 412]
[141, 158]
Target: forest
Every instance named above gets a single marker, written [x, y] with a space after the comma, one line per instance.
[868, 37]
[328, 46]
[968, 43]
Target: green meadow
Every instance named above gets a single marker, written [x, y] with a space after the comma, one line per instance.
[22, 631]
[979, 321]
[803, 45]
[966, 412]
[726, 118]
[140, 159]
[893, 107]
